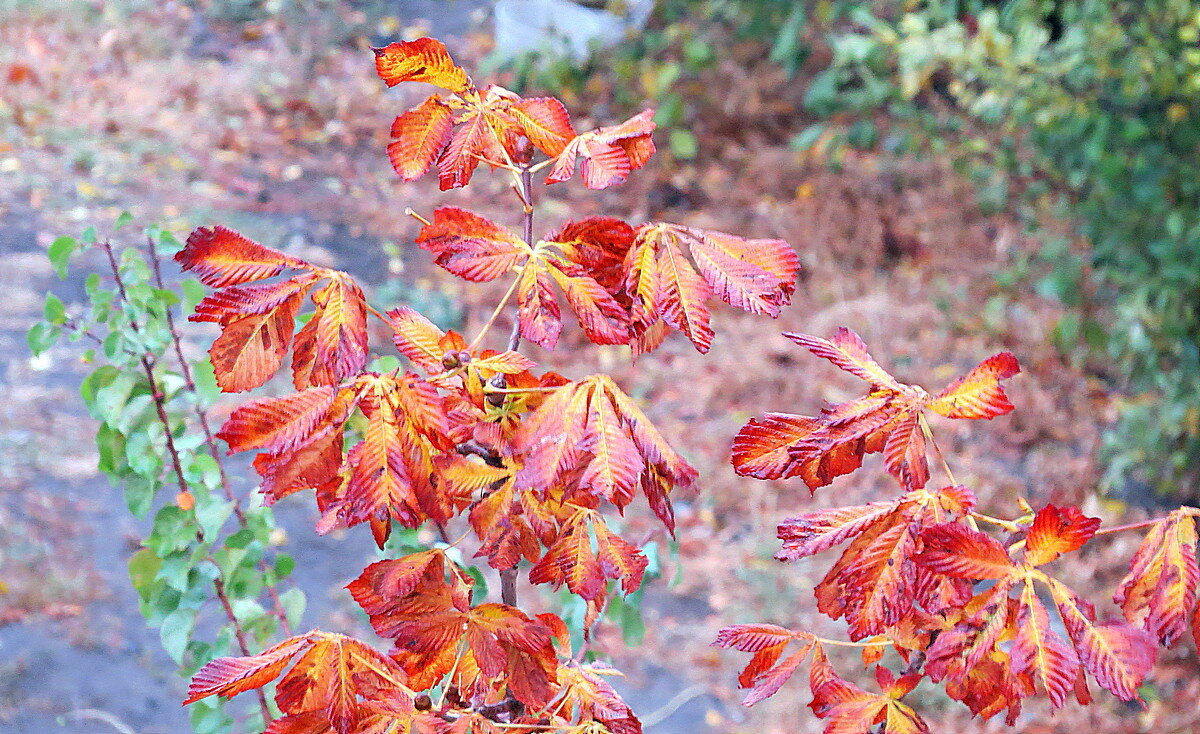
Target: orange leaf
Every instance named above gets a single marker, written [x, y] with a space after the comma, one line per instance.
[327, 686]
[333, 344]
[1118, 655]
[419, 136]
[487, 131]
[231, 676]
[960, 552]
[889, 419]
[573, 436]
[257, 321]
[978, 394]
[585, 693]
[608, 153]
[1057, 530]
[252, 347]
[1159, 592]
[546, 123]
[423, 60]
[847, 350]
[1040, 651]
[571, 561]
[756, 275]
[417, 338]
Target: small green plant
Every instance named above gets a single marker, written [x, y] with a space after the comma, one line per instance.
[155, 440]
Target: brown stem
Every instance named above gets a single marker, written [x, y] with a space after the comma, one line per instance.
[514, 338]
[508, 586]
[508, 576]
[185, 369]
[160, 408]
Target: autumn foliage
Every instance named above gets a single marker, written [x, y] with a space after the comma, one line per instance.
[526, 463]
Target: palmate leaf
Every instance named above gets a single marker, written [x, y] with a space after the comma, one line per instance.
[432, 622]
[571, 560]
[1117, 654]
[332, 682]
[590, 438]
[849, 709]
[1159, 592]
[583, 695]
[888, 419]
[876, 584]
[257, 320]
[608, 154]
[386, 475]
[756, 275]
[764, 674]
[969, 655]
[480, 250]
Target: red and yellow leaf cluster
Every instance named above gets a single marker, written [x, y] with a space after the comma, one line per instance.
[490, 125]
[258, 319]
[625, 284]
[890, 418]
[337, 684]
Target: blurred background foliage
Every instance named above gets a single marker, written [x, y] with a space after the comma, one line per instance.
[1084, 113]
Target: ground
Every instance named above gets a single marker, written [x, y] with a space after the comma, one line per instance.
[263, 129]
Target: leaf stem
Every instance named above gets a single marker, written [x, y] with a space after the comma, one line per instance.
[499, 307]
[1129, 526]
[516, 390]
[1008, 525]
[844, 643]
[937, 450]
[417, 217]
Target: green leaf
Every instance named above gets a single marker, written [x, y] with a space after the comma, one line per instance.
[110, 444]
[176, 631]
[683, 144]
[143, 569]
[89, 236]
[54, 310]
[139, 493]
[60, 254]
[41, 336]
[284, 565]
[211, 512]
[804, 140]
[193, 292]
[293, 602]
[172, 532]
[124, 219]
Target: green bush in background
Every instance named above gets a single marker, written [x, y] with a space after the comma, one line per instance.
[1087, 111]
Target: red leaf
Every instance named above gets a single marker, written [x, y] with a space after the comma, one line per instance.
[221, 257]
[957, 551]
